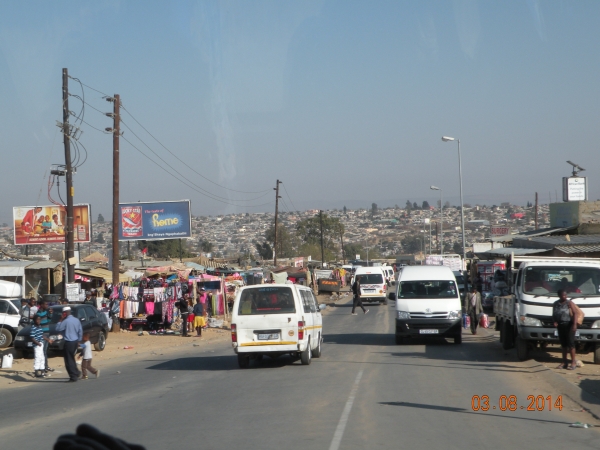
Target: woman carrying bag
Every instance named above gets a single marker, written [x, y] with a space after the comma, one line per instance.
[474, 308]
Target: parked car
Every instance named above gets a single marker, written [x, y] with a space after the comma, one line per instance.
[92, 322]
[10, 319]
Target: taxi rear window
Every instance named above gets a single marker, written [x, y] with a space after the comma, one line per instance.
[370, 278]
[267, 300]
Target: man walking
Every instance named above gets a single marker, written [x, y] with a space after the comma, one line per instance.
[45, 324]
[71, 329]
[356, 300]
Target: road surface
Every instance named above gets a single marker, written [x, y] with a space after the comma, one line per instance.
[364, 392]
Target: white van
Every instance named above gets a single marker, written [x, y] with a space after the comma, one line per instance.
[427, 303]
[373, 287]
[276, 319]
[10, 317]
[389, 274]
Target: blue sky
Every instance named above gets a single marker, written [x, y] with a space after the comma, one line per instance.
[344, 101]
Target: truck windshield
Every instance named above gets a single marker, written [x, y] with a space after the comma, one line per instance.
[427, 289]
[576, 281]
[266, 300]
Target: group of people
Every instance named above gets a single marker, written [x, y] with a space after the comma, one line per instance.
[193, 317]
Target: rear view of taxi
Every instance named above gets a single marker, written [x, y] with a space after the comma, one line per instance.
[276, 319]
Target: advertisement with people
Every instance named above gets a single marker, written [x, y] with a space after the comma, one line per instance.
[155, 221]
[46, 224]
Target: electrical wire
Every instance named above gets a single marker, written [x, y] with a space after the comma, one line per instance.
[180, 160]
[190, 186]
[184, 177]
[289, 198]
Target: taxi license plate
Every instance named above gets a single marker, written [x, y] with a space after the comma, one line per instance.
[429, 331]
[268, 337]
[556, 333]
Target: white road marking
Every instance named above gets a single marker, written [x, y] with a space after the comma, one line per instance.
[339, 431]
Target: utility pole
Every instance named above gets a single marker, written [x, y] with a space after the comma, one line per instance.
[277, 197]
[115, 214]
[536, 210]
[322, 251]
[69, 236]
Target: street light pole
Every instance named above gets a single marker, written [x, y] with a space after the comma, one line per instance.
[462, 212]
[435, 188]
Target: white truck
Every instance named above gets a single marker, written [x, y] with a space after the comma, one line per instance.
[524, 318]
[10, 317]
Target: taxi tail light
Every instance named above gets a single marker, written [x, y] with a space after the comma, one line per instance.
[300, 330]
[233, 332]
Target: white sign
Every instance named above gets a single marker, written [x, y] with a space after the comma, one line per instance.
[357, 256]
[575, 189]
[73, 292]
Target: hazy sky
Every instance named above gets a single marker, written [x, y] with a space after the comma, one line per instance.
[344, 101]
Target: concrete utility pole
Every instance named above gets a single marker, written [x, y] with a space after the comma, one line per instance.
[69, 236]
[277, 197]
[536, 210]
[115, 214]
[322, 250]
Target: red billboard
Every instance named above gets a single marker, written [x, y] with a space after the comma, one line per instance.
[46, 224]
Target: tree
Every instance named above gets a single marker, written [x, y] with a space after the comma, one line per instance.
[351, 250]
[264, 250]
[345, 210]
[446, 204]
[100, 238]
[425, 205]
[308, 232]
[373, 208]
[285, 240]
[411, 244]
[457, 248]
[169, 248]
[415, 206]
[100, 218]
[408, 206]
[206, 246]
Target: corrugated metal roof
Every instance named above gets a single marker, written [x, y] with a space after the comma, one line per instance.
[578, 248]
[505, 251]
[43, 265]
[572, 240]
[531, 233]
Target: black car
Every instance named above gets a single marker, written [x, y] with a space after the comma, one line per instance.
[92, 322]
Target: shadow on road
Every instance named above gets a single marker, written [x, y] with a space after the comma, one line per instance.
[466, 411]
[359, 339]
[214, 363]
[590, 391]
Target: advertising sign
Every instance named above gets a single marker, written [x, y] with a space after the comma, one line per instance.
[73, 292]
[575, 189]
[499, 231]
[155, 221]
[46, 224]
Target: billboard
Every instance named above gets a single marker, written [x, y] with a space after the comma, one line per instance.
[155, 220]
[496, 230]
[46, 224]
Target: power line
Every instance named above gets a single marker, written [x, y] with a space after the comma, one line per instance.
[198, 173]
[288, 195]
[190, 186]
[183, 176]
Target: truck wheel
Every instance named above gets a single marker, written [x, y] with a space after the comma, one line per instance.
[99, 346]
[399, 340]
[597, 355]
[508, 340]
[458, 339]
[522, 349]
[316, 353]
[243, 361]
[306, 355]
[501, 328]
[5, 338]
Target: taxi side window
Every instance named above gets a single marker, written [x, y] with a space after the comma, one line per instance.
[305, 301]
[315, 307]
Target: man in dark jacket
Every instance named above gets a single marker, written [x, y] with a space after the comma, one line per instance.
[356, 301]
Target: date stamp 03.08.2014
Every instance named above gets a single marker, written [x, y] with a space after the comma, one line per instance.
[511, 403]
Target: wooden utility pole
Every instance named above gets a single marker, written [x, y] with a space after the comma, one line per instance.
[536, 211]
[277, 197]
[115, 214]
[69, 236]
[322, 251]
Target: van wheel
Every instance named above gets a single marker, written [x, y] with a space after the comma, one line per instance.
[243, 361]
[458, 339]
[316, 353]
[522, 349]
[5, 338]
[306, 355]
[18, 354]
[508, 337]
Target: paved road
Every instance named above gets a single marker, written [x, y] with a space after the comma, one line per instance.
[365, 392]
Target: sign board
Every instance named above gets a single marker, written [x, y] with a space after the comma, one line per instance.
[575, 189]
[155, 221]
[46, 224]
[499, 231]
[357, 257]
[325, 285]
[299, 262]
[73, 292]
[454, 262]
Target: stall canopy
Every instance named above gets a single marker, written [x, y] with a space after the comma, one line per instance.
[103, 274]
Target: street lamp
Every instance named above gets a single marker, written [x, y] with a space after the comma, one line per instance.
[435, 188]
[462, 212]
